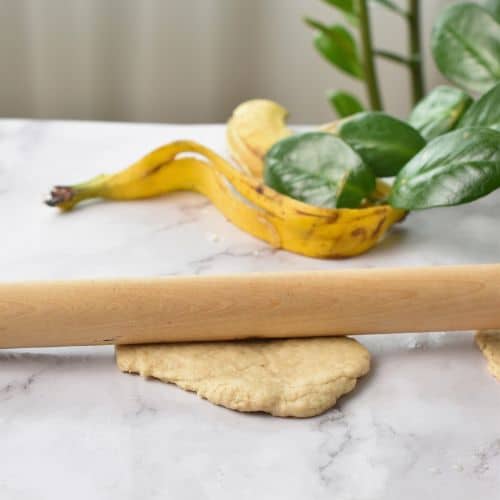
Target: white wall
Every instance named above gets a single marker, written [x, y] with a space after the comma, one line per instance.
[179, 60]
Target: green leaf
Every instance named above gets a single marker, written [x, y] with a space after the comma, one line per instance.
[384, 143]
[344, 104]
[455, 168]
[466, 46]
[320, 169]
[485, 112]
[337, 45]
[493, 7]
[439, 111]
[348, 7]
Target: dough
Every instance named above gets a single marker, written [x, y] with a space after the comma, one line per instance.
[291, 377]
[489, 343]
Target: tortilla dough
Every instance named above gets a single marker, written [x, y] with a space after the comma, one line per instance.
[489, 343]
[292, 377]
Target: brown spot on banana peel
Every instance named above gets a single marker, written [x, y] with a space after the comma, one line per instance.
[378, 228]
[335, 217]
[328, 218]
[310, 232]
[359, 232]
[157, 168]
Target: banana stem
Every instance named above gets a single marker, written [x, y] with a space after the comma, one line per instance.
[416, 58]
[370, 70]
[66, 197]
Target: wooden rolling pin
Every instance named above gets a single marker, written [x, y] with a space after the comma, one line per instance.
[299, 304]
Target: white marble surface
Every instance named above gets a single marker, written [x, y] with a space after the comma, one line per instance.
[424, 424]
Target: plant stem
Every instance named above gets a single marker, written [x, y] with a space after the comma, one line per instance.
[416, 56]
[371, 79]
[391, 56]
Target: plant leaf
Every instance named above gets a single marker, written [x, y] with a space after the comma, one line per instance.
[455, 168]
[466, 46]
[348, 7]
[384, 143]
[485, 112]
[344, 104]
[320, 169]
[493, 7]
[337, 45]
[439, 111]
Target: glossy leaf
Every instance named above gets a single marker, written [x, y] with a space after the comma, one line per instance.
[485, 112]
[320, 169]
[493, 7]
[344, 104]
[384, 143]
[337, 45]
[466, 46]
[439, 111]
[455, 168]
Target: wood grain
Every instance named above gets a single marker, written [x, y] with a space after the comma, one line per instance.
[298, 304]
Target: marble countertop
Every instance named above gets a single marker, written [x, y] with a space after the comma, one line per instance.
[424, 423]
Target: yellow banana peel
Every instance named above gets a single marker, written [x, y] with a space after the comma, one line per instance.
[255, 208]
[252, 129]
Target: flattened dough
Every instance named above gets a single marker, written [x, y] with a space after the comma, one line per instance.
[489, 343]
[292, 377]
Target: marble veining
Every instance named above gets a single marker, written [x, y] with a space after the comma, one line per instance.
[423, 424]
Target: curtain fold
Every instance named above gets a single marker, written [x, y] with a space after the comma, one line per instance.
[179, 60]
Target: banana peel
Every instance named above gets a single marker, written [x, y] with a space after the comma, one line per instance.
[252, 129]
[243, 199]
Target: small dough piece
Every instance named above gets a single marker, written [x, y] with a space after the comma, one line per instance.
[287, 378]
[489, 343]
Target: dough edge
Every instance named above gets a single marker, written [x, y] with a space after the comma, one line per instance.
[488, 342]
[278, 393]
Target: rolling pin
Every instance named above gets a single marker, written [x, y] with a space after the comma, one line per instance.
[298, 304]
